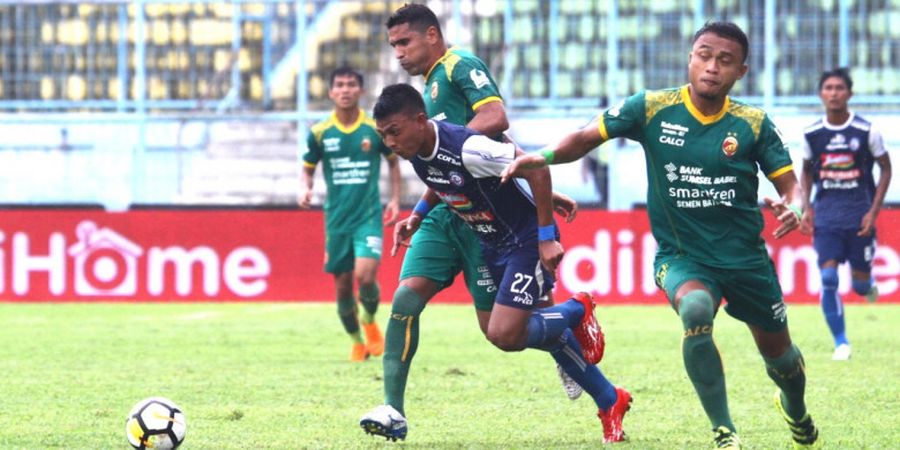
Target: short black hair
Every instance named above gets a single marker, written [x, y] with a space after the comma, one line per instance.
[727, 30]
[398, 98]
[841, 72]
[418, 17]
[345, 71]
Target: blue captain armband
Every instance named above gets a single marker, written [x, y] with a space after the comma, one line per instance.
[422, 208]
[547, 233]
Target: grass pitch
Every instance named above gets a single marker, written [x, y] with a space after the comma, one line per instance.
[276, 376]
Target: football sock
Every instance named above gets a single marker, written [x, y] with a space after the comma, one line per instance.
[546, 325]
[347, 312]
[789, 373]
[400, 343]
[569, 356]
[701, 357]
[369, 296]
[832, 306]
[862, 287]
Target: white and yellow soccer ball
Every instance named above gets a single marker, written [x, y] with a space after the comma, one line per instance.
[155, 423]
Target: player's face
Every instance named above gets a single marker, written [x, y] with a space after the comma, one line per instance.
[345, 92]
[403, 133]
[715, 65]
[835, 94]
[412, 48]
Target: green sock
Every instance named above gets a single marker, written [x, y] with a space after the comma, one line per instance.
[789, 373]
[400, 343]
[369, 296]
[347, 312]
[701, 357]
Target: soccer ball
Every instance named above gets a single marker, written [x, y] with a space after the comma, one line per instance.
[155, 423]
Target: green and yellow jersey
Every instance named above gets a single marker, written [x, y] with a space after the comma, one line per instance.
[457, 85]
[702, 173]
[351, 158]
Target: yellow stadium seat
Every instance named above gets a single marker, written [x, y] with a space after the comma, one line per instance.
[48, 88]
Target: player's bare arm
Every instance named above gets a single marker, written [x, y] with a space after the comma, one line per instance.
[806, 183]
[884, 180]
[540, 182]
[392, 209]
[304, 197]
[404, 229]
[570, 148]
[787, 209]
[565, 206]
[490, 119]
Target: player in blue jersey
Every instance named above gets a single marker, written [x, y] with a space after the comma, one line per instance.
[839, 152]
[518, 238]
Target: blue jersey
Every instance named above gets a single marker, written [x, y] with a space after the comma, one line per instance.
[842, 158]
[464, 171]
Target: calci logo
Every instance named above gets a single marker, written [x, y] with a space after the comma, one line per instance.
[102, 262]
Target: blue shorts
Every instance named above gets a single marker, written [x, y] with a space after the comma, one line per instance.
[523, 279]
[844, 245]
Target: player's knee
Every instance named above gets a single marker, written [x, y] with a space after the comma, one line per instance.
[696, 308]
[829, 277]
[862, 287]
[406, 303]
[506, 341]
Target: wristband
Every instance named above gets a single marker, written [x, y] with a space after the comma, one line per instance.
[548, 156]
[422, 208]
[796, 210]
[547, 232]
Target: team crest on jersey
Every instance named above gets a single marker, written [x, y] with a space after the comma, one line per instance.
[730, 144]
[854, 144]
[434, 90]
[366, 144]
[457, 179]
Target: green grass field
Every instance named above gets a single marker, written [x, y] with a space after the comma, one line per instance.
[276, 376]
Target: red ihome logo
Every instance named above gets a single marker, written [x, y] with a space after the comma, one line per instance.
[106, 263]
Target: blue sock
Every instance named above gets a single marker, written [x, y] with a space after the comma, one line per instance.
[832, 307]
[588, 376]
[862, 287]
[546, 325]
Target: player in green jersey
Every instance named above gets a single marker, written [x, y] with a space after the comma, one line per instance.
[351, 151]
[703, 151]
[459, 89]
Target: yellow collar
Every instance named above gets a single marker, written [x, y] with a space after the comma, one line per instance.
[702, 118]
[353, 127]
[445, 56]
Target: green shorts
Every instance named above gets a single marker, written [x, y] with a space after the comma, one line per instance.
[342, 249]
[442, 247]
[753, 295]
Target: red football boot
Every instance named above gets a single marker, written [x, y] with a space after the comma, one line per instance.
[612, 418]
[588, 332]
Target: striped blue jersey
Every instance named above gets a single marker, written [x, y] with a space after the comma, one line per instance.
[464, 171]
[842, 158]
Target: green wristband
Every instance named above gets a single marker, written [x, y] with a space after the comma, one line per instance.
[548, 156]
[796, 210]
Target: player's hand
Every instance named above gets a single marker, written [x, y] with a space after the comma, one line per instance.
[867, 226]
[551, 253]
[521, 164]
[304, 198]
[789, 220]
[565, 206]
[391, 213]
[806, 223]
[403, 230]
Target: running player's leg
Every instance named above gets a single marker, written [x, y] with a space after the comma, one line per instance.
[755, 298]
[364, 272]
[367, 247]
[861, 252]
[695, 296]
[339, 263]
[832, 250]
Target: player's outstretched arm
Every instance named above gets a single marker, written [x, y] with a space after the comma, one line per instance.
[304, 197]
[570, 148]
[884, 180]
[540, 183]
[404, 229]
[565, 206]
[392, 209]
[787, 209]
